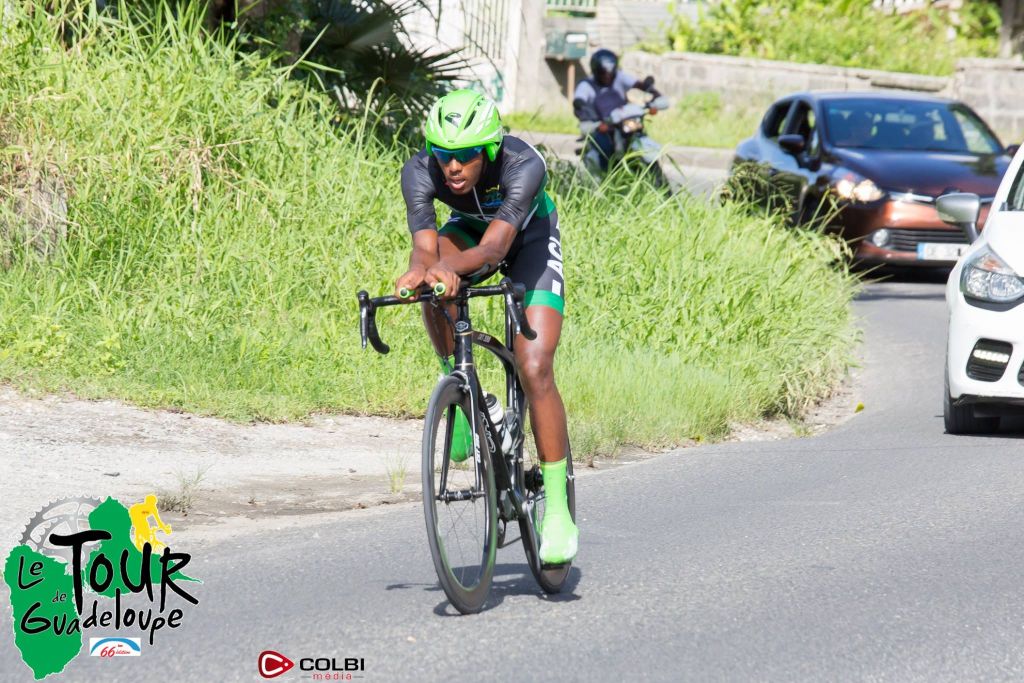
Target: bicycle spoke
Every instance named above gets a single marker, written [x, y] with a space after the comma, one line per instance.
[460, 507]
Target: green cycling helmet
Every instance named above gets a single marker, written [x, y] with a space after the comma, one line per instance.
[464, 118]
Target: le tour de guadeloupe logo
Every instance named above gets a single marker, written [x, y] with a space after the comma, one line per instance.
[89, 567]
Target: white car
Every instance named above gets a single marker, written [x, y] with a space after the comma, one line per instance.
[985, 300]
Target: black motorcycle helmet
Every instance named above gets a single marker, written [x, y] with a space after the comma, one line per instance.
[603, 66]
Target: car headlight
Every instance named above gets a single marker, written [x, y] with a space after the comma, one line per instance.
[855, 188]
[987, 277]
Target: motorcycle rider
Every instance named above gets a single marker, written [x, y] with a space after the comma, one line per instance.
[594, 101]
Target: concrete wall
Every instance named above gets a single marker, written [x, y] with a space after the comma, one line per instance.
[538, 86]
[992, 87]
[621, 24]
[738, 79]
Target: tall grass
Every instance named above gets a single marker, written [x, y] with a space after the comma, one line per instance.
[220, 225]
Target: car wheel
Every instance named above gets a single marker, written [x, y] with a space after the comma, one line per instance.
[961, 419]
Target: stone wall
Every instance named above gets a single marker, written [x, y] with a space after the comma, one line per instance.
[991, 86]
[739, 78]
[621, 24]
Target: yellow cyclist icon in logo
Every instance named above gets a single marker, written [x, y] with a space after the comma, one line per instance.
[142, 531]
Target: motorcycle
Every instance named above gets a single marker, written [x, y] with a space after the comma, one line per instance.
[630, 143]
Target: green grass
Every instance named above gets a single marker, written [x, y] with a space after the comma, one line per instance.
[221, 224]
[542, 122]
[696, 120]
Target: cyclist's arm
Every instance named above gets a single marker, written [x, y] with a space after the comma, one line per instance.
[418, 191]
[424, 250]
[493, 247]
[423, 256]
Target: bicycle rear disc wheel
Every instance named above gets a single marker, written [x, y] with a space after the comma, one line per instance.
[458, 504]
[550, 577]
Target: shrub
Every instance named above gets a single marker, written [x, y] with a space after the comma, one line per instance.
[842, 33]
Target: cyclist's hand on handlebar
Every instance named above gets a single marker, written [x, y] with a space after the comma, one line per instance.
[412, 279]
[440, 272]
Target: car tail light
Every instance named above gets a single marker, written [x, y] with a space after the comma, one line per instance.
[988, 360]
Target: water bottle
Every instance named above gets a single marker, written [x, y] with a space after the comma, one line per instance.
[497, 415]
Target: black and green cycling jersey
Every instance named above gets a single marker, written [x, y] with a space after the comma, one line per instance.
[511, 189]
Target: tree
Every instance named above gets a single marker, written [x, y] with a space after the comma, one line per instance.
[358, 49]
[1011, 34]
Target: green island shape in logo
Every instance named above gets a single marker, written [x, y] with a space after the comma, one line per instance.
[48, 604]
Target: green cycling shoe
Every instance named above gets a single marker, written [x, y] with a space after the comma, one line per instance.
[559, 537]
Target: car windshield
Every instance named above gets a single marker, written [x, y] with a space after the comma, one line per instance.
[907, 125]
[1016, 200]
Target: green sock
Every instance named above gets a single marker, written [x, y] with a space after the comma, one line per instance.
[556, 501]
[462, 436]
[559, 536]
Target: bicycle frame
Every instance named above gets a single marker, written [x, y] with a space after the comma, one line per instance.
[507, 467]
[509, 476]
[516, 491]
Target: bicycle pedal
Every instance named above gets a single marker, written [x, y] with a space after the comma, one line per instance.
[533, 479]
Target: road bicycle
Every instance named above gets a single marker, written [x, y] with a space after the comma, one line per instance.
[469, 505]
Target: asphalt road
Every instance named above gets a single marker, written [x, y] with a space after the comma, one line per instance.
[883, 550]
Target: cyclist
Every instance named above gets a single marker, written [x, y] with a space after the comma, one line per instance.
[594, 101]
[494, 185]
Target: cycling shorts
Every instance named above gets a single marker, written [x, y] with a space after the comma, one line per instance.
[535, 258]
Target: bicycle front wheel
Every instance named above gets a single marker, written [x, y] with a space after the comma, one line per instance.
[458, 502]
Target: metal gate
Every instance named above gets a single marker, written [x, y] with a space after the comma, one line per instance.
[486, 31]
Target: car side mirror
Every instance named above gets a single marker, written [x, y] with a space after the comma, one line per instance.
[1011, 150]
[962, 210]
[792, 143]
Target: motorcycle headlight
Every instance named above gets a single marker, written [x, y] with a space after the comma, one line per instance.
[854, 188]
[632, 125]
[987, 277]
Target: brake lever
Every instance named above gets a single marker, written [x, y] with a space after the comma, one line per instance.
[514, 295]
[520, 297]
[368, 324]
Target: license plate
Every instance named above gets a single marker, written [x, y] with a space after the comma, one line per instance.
[932, 251]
